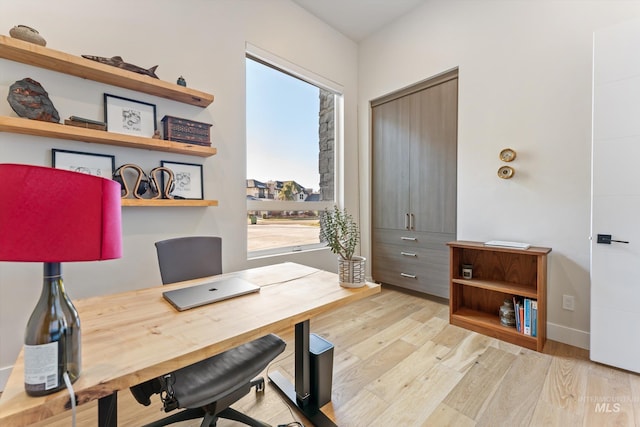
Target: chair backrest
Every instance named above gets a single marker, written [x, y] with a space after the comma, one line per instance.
[186, 258]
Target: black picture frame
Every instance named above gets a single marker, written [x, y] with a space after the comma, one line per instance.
[129, 117]
[102, 165]
[188, 179]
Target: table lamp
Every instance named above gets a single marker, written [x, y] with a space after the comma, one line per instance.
[52, 216]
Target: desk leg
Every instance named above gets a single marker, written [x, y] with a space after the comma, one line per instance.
[300, 396]
[302, 368]
[108, 410]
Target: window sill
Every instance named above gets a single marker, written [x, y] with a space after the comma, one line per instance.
[284, 251]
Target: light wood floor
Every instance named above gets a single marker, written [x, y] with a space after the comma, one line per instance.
[398, 362]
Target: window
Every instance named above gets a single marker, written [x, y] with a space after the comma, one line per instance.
[291, 135]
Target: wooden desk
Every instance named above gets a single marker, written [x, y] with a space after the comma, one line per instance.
[131, 337]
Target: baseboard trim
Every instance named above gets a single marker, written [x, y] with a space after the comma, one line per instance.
[4, 376]
[571, 336]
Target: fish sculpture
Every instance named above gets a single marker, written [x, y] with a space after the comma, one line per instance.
[117, 61]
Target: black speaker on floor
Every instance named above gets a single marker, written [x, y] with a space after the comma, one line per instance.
[321, 367]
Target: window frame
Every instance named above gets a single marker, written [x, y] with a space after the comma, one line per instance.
[280, 64]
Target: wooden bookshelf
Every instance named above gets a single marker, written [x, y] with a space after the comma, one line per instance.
[498, 273]
[43, 57]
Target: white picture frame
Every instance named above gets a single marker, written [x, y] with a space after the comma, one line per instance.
[187, 180]
[129, 117]
[101, 165]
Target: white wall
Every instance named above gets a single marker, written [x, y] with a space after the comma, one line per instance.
[205, 42]
[525, 83]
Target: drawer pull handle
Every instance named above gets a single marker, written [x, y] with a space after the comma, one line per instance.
[410, 276]
[413, 239]
[408, 254]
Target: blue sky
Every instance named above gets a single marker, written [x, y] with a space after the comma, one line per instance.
[282, 127]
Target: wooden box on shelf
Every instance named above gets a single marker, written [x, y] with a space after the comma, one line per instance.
[185, 130]
[497, 273]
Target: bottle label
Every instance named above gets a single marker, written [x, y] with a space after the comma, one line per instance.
[41, 366]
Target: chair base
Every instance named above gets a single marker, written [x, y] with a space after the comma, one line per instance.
[232, 414]
[210, 419]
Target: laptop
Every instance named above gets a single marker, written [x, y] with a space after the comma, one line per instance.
[210, 292]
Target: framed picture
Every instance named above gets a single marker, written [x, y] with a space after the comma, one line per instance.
[90, 163]
[130, 117]
[188, 179]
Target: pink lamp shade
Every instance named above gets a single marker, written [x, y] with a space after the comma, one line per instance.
[54, 215]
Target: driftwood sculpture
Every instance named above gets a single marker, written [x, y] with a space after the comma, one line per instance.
[116, 61]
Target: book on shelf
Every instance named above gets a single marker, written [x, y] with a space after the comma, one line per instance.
[526, 310]
[83, 120]
[521, 316]
[534, 318]
[527, 317]
[85, 125]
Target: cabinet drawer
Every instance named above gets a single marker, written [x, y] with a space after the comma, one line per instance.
[423, 270]
[413, 239]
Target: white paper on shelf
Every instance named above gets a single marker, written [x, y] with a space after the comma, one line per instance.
[507, 244]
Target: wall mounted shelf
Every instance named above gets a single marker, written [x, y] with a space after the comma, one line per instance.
[59, 131]
[38, 56]
[168, 202]
[43, 57]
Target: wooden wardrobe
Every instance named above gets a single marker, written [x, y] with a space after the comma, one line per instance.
[414, 158]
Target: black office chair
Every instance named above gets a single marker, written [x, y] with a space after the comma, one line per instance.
[186, 258]
[207, 388]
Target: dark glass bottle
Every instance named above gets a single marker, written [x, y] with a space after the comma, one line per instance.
[52, 338]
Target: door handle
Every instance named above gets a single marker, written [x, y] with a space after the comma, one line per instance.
[410, 276]
[408, 254]
[606, 239]
[411, 222]
[407, 223]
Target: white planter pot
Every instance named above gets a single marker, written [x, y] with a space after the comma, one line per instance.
[351, 272]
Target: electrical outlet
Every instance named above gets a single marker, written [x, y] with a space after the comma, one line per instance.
[568, 302]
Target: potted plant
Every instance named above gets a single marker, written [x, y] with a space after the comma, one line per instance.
[341, 233]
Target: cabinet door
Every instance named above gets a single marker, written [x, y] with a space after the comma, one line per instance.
[390, 181]
[433, 158]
